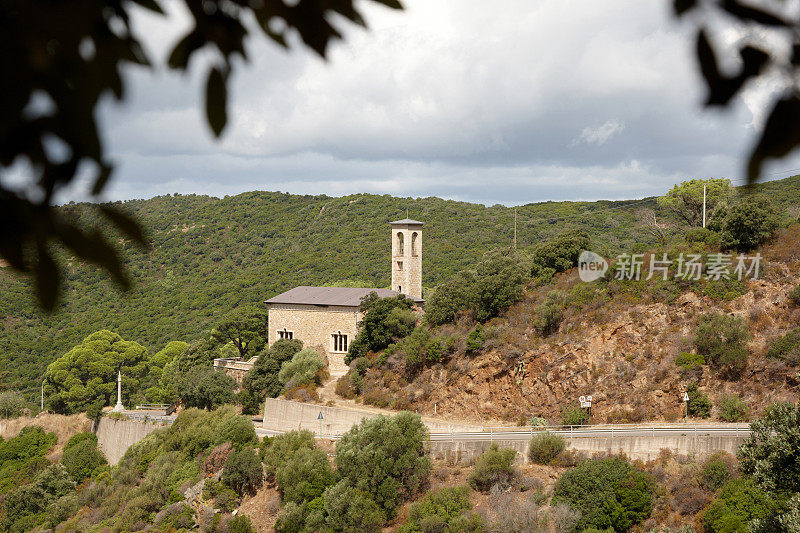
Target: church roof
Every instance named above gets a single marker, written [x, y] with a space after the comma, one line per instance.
[343, 296]
[407, 221]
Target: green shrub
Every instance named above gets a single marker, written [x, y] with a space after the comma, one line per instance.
[386, 320]
[205, 388]
[607, 492]
[548, 319]
[303, 369]
[304, 476]
[475, 340]
[771, 453]
[733, 409]
[239, 431]
[716, 471]
[704, 235]
[81, 457]
[385, 457]
[786, 347]
[699, 404]
[451, 297]
[434, 351]
[240, 524]
[748, 223]
[11, 404]
[23, 504]
[722, 340]
[350, 509]
[496, 283]
[794, 295]
[499, 282]
[23, 456]
[262, 380]
[494, 467]
[559, 253]
[415, 348]
[724, 290]
[544, 447]
[690, 361]
[243, 472]
[280, 449]
[446, 509]
[574, 415]
[739, 502]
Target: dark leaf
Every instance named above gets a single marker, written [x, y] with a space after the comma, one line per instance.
[216, 96]
[152, 5]
[47, 279]
[722, 88]
[102, 179]
[752, 14]
[179, 58]
[780, 136]
[126, 224]
[682, 6]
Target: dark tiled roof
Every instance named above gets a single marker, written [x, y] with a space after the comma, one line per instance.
[344, 296]
[408, 221]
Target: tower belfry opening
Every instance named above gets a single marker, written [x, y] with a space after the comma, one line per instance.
[407, 257]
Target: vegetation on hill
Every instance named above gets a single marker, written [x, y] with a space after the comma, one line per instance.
[564, 337]
[211, 256]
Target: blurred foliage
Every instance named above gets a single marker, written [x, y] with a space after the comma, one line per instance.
[748, 28]
[55, 74]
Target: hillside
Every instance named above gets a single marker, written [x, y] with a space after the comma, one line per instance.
[210, 255]
[617, 341]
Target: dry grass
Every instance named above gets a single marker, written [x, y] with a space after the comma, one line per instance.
[63, 426]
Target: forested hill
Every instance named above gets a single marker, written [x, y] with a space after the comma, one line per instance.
[210, 255]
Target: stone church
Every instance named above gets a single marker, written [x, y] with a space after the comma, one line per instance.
[326, 318]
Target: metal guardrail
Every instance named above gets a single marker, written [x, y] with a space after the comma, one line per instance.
[152, 406]
[586, 431]
[150, 418]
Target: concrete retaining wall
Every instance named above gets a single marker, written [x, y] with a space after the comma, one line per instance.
[286, 415]
[644, 448]
[115, 436]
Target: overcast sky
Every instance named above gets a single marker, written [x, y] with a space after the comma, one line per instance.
[509, 101]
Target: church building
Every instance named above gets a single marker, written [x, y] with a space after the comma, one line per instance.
[326, 318]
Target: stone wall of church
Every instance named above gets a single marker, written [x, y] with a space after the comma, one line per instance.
[315, 326]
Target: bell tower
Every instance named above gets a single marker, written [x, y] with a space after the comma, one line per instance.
[407, 257]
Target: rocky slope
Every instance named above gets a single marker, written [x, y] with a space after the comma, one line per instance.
[619, 346]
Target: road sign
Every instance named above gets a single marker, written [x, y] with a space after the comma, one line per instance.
[320, 417]
[685, 397]
[582, 399]
[589, 398]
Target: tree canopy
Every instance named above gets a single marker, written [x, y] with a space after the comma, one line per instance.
[385, 321]
[85, 378]
[686, 199]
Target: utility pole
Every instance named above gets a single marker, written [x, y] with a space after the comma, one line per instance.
[704, 206]
[42, 398]
[515, 228]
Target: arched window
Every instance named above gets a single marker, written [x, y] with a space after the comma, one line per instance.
[400, 247]
[414, 244]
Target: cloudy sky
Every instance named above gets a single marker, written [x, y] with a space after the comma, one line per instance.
[510, 101]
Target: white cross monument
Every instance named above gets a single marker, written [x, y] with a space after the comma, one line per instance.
[119, 407]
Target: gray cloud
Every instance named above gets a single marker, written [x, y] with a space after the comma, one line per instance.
[511, 101]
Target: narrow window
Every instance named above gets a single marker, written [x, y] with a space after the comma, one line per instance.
[400, 246]
[414, 244]
[285, 334]
[400, 266]
[400, 289]
[339, 341]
